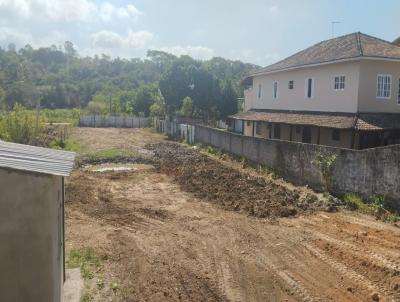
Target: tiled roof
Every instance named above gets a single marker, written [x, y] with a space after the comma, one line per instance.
[346, 47]
[377, 121]
[363, 121]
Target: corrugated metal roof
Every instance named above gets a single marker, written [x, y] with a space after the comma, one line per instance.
[36, 159]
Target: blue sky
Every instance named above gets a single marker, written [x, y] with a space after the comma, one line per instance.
[256, 31]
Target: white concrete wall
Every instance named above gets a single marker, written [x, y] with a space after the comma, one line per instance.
[367, 100]
[30, 237]
[248, 97]
[325, 97]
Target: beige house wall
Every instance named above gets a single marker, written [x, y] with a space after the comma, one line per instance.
[367, 99]
[248, 98]
[325, 98]
[264, 131]
[248, 128]
[31, 253]
[344, 142]
[325, 134]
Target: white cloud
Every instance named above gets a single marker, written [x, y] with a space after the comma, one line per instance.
[250, 55]
[109, 40]
[9, 35]
[21, 38]
[66, 10]
[108, 11]
[198, 52]
[20, 7]
[274, 9]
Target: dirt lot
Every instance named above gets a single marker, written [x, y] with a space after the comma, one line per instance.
[194, 229]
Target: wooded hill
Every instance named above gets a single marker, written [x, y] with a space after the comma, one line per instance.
[60, 78]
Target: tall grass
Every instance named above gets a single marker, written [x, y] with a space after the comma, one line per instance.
[19, 126]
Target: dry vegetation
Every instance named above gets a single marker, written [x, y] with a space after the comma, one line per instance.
[191, 228]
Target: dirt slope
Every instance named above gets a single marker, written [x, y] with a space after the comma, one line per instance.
[164, 243]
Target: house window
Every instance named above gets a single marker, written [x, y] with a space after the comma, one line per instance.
[259, 91]
[248, 123]
[398, 94]
[339, 82]
[277, 131]
[291, 85]
[275, 90]
[336, 135]
[384, 86]
[309, 88]
[298, 129]
[258, 128]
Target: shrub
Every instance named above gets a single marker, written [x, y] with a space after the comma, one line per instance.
[354, 202]
[376, 206]
[325, 165]
[19, 126]
[210, 150]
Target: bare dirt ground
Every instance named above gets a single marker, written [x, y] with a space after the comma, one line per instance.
[165, 234]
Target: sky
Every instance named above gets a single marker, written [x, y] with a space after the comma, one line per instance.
[255, 31]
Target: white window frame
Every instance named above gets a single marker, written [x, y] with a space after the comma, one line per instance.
[275, 94]
[306, 88]
[259, 92]
[341, 82]
[291, 87]
[380, 93]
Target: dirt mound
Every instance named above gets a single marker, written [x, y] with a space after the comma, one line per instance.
[232, 189]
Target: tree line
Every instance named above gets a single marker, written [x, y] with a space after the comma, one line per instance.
[161, 83]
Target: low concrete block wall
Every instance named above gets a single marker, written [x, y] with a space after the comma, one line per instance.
[113, 121]
[365, 172]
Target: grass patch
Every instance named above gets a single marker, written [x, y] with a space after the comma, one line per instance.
[355, 203]
[211, 150]
[376, 206]
[69, 144]
[61, 115]
[86, 259]
[110, 154]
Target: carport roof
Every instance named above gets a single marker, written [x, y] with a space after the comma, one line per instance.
[357, 121]
[36, 159]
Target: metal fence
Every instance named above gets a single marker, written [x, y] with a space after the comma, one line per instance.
[102, 121]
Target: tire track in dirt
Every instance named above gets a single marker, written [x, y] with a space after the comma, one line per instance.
[280, 257]
[345, 271]
[374, 257]
[296, 287]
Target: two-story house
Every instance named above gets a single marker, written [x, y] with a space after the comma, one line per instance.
[342, 92]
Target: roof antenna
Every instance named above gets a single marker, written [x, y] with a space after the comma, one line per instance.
[333, 27]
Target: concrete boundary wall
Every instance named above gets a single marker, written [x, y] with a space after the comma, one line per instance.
[365, 172]
[113, 121]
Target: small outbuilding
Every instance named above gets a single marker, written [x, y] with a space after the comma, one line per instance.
[32, 222]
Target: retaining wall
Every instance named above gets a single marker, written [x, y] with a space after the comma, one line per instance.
[365, 172]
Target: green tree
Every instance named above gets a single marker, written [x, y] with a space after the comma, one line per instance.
[157, 109]
[146, 95]
[187, 107]
[228, 103]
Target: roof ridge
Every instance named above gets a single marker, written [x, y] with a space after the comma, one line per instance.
[379, 39]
